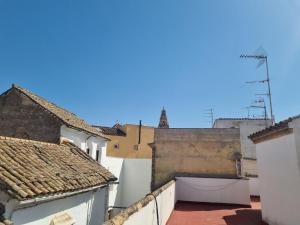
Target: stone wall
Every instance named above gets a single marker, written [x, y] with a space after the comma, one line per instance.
[22, 118]
[200, 152]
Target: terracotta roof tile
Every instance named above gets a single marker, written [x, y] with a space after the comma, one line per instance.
[114, 131]
[66, 117]
[30, 169]
[277, 126]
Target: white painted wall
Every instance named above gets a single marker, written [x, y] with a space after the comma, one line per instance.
[215, 190]
[134, 177]
[85, 141]
[136, 180]
[147, 214]
[254, 186]
[116, 167]
[86, 208]
[278, 168]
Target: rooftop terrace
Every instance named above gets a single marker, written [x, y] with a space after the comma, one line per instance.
[188, 213]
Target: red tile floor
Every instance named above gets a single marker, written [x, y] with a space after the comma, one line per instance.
[187, 213]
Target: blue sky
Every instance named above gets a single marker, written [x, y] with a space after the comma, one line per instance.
[125, 59]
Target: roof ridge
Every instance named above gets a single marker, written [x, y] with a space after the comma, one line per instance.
[28, 141]
[66, 117]
[25, 91]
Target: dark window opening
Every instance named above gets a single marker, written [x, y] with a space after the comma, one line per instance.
[97, 155]
[88, 151]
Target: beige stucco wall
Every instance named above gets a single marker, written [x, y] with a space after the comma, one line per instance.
[127, 143]
[202, 152]
[249, 167]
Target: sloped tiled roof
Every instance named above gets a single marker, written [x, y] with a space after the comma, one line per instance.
[66, 117]
[114, 131]
[277, 126]
[30, 169]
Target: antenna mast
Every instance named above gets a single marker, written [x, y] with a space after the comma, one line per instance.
[210, 113]
[263, 59]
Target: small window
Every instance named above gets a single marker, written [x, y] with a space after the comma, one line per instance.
[136, 147]
[88, 151]
[97, 155]
[116, 146]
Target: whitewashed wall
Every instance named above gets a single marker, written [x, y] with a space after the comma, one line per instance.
[215, 190]
[134, 177]
[116, 167]
[86, 208]
[85, 141]
[278, 168]
[136, 180]
[254, 186]
[147, 215]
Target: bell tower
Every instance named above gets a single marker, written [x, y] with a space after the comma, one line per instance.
[163, 121]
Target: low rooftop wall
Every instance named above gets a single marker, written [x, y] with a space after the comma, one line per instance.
[195, 189]
[144, 211]
[214, 190]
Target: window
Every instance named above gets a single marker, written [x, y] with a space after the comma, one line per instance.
[97, 155]
[136, 147]
[116, 146]
[88, 151]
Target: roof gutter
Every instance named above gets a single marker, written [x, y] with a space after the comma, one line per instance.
[39, 200]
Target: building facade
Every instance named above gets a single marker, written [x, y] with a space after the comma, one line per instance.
[28, 116]
[128, 140]
[278, 161]
[247, 126]
[129, 158]
[203, 152]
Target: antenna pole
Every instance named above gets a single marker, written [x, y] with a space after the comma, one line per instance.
[210, 113]
[269, 92]
[264, 57]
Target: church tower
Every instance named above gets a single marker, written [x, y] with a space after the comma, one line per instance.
[163, 121]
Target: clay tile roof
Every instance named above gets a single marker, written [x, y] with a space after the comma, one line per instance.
[276, 127]
[30, 169]
[114, 131]
[66, 117]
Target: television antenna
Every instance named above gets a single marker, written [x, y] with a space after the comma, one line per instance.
[210, 113]
[262, 59]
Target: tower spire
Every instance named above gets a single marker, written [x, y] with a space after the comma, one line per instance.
[163, 121]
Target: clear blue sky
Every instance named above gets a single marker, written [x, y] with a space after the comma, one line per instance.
[109, 60]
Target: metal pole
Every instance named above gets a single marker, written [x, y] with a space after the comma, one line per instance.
[212, 117]
[269, 92]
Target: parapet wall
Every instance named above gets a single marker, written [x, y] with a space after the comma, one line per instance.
[202, 152]
[144, 211]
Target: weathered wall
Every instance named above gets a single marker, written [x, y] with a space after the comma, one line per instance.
[127, 143]
[202, 152]
[249, 167]
[247, 127]
[22, 118]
